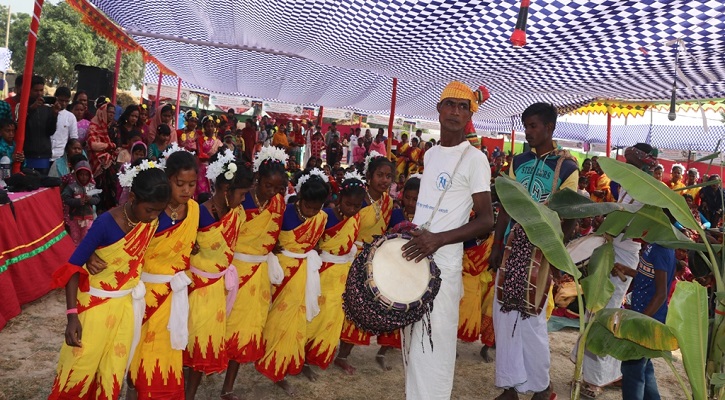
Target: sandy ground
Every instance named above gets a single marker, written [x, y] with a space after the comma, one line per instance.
[29, 347]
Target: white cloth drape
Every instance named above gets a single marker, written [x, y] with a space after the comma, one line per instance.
[178, 320]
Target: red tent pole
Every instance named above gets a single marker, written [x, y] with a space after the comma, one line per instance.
[609, 132]
[178, 103]
[319, 116]
[513, 135]
[158, 92]
[116, 71]
[392, 117]
[27, 80]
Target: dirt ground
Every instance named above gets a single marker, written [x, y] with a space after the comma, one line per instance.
[29, 347]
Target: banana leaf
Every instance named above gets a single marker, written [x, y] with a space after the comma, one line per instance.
[646, 189]
[638, 328]
[542, 225]
[597, 287]
[688, 245]
[602, 342]
[615, 223]
[688, 317]
[651, 224]
[709, 157]
[703, 184]
[570, 205]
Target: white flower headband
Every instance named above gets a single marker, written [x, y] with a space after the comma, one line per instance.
[173, 149]
[680, 166]
[373, 155]
[305, 177]
[353, 175]
[223, 165]
[269, 153]
[419, 176]
[129, 173]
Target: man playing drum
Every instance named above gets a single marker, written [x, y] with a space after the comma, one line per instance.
[456, 180]
[522, 341]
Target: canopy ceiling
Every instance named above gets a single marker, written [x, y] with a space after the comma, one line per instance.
[344, 53]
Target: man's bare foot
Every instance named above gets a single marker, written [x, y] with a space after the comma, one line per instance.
[508, 394]
[342, 363]
[380, 359]
[229, 396]
[546, 394]
[309, 373]
[286, 386]
[484, 354]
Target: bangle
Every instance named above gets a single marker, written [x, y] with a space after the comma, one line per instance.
[71, 311]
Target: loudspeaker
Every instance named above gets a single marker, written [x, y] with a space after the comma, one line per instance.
[94, 81]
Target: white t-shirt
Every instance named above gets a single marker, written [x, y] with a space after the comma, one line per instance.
[66, 128]
[473, 176]
[626, 251]
[353, 142]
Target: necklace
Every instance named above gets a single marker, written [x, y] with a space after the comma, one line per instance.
[299, 212]
[174, 213]
[375, 205]
[130, 223]
[256, 201]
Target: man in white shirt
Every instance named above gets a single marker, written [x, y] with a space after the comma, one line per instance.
[456, 180]
[352, 143]
[66, 128]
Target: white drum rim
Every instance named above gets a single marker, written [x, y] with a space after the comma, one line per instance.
[397, 273]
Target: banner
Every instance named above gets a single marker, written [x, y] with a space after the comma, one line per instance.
[336, 113]
[223, 102]
[188, 97]
[283, 108]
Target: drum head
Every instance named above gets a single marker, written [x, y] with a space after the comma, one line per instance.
[581, 249]
[398, 279]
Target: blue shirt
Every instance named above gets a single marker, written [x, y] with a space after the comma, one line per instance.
[104, 232]
[653, 258]
[6, 149]
[536, 174]
[396, 217]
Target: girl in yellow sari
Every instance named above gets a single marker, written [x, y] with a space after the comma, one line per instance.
[401, 161]
[338, 251]
[415, 156]
[156, 369]
[214, 283]
[295, 299]
[475, 261]
[374, 219]
[107, 307]
[264, 206]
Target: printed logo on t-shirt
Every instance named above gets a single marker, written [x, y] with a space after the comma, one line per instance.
[536, 189]
[443, 181]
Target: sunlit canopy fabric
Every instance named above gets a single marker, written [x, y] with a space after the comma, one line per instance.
[344, 53]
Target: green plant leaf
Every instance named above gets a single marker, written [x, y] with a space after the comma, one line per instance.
[615, 223]
[717, 380]
[709, 157]
[570, 205]
[597, 287]
[638, 328]
[602, 342]
[688, 245]
[646, 189]
[703, 184]
[651, 224]
[687, 316]
[541, 224]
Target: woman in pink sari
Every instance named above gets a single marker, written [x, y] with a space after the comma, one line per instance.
[102, 155]
[208, 145]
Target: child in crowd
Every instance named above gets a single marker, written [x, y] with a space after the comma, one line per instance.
[138, 152]
[161, 142]
[64, 165]
[7, 142]
[104, 296]
[80, 203]
[582, 188]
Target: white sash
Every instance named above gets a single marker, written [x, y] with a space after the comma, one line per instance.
[231, 282]
[274, 269]
[178, 320]
[339, 258]
[312, 287]
[139, 307]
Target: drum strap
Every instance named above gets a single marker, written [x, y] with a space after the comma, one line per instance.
[426, 225]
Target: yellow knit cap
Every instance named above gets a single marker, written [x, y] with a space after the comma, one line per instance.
[459, 90]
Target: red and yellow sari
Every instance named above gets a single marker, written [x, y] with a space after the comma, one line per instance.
[157, 368]
[323, 332]
[284, 334]
[257, 238]
[370, 225]
[208, 302]
[475, 263]
[96, 370]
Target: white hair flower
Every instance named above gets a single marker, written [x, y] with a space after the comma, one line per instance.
[373, 155]
[173, 149]
[224, 164]
[128, 173]
[305, 177]
[354, 175]
[269, 153]
[419, 176]
[680, 166]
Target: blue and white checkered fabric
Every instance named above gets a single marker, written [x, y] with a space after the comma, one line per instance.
[344, 53]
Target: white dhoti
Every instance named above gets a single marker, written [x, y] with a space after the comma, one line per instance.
[429, 372]
[522, 350]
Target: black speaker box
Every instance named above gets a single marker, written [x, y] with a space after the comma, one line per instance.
[95, 81]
